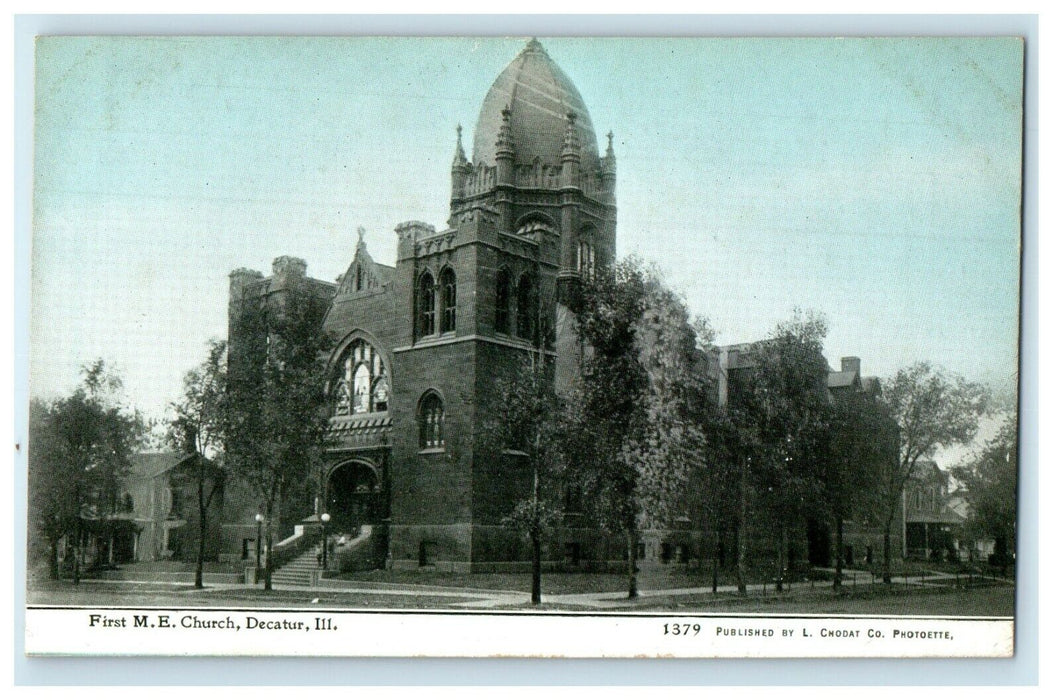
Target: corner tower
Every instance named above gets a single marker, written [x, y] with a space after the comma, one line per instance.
[531, 212]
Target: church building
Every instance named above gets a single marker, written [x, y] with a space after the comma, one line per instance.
[420, 346]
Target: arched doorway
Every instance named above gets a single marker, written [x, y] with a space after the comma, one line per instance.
[354, 496]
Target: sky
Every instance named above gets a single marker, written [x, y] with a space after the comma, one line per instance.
[875, 181]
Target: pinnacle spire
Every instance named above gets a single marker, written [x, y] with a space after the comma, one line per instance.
[505, 142]
[533, 45]
[460, 158]
[570, 138]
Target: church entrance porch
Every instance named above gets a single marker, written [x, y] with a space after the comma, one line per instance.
[354, 497]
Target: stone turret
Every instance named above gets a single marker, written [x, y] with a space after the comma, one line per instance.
[460, 168]
[608, 170]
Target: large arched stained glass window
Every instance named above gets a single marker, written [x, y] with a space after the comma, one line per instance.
[432, 421]
[360, 382]
[448, 283]
[425, 305]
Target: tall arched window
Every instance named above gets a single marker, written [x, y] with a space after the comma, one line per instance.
[586, 254]
[432, 421]
[503, 300]
[526, 307]
[426, 305]
[448, 300]
[360, 382]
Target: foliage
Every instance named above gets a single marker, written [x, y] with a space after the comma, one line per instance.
[198, 428]
[990, 480]
[780, 407]
[276, 414]
[642, 390]
[933, 410]
[79, 453]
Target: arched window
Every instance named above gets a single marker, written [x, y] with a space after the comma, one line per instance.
[502, 312]
[526, 307]
[586, 254]
[360, 383]
[448, 300]
[531, 226]
[426, 305]
[432, 421]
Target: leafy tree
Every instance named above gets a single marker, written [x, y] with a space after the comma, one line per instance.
[530, 424]
[862, 439]
[933, 410]
[990, 481]
[780, 408]
[276, 415]
[638, 435]
[80, 450]
[198, 429]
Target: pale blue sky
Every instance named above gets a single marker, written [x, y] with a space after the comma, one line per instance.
[876, 181]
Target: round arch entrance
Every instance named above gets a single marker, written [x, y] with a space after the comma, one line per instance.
[354, 496]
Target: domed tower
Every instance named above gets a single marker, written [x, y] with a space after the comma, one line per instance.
[535, 162]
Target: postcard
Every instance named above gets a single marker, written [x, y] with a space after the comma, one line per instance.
[574, 347]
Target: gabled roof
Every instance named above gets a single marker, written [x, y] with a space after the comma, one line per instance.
[842, 379]
[147, 465]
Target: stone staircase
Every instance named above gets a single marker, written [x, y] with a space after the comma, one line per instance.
[299, 571]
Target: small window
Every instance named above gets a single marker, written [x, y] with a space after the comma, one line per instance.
[126, 503]
[428, 553]
[432, 422]
[572, 552]
[426, 305]
[501, 317]
[448, 300]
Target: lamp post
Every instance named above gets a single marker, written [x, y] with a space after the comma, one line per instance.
[324, 518]
[259, 519]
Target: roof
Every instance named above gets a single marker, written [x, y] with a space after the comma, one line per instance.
[539, 95]
[148, 465]
[841, 379]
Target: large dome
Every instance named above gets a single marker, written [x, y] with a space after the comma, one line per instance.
[539, 95]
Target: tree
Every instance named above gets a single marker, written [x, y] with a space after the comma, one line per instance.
[990, 481]
[530, 425]
[80, 450]
[276, 414]
[861, 441]
[637, 433]
[780, 407]
[198, 429]
[933, 409]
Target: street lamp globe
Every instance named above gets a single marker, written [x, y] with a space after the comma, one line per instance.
[259, 518]
[325, 518]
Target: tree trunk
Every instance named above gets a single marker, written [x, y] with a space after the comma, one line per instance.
[837, 582]
[77, 553]
[631, 561]
[741, 534]
[887, 550]
[53, 559]
[268, 548]
[781, 542]
[202, 527]
[535, 569]
[717, 555]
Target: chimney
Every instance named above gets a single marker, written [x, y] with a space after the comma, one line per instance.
[851, 364]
